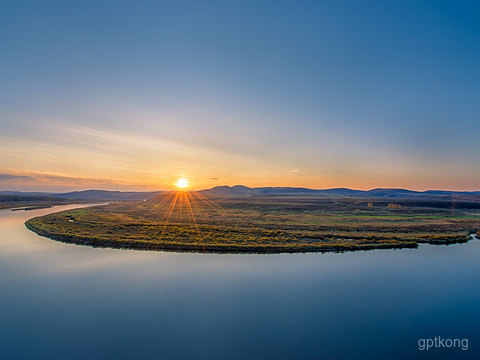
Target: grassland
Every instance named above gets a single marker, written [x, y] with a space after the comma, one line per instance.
[263, 224]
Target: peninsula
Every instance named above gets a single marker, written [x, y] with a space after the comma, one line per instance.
[239, 220]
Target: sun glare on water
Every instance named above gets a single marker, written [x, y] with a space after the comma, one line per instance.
[182, 183]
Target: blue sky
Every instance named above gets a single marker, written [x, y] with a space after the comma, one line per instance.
[135, 94]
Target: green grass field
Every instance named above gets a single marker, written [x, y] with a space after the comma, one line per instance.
[258, 224]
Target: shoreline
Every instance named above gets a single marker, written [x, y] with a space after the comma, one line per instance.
[232, 249]
[219, 249]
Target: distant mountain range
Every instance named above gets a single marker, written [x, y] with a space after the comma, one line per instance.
[244, 191]
[240, 190]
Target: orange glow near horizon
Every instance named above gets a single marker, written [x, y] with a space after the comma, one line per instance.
[33, 181]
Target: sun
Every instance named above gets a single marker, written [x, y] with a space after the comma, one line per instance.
[182, 183]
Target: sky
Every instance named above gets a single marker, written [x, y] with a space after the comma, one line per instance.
[133, 95]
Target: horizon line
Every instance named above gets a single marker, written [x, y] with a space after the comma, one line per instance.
[237, 185]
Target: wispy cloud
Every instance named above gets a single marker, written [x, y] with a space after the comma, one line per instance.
[54, 182]
[9, 177]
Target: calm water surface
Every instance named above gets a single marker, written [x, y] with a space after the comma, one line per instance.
[60, 301]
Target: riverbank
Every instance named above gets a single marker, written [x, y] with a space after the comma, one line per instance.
[210, 247]
[17, 203]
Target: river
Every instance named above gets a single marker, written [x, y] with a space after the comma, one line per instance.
[61, 301]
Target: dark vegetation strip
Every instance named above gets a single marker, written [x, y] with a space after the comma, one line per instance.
[22, 202]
